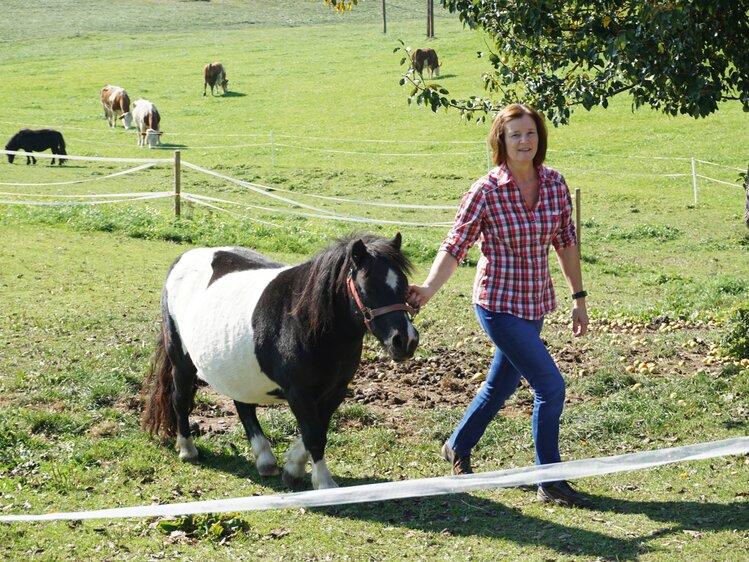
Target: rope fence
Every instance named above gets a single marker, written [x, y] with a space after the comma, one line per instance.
[481, 147]
[310, 211]
[211, 202]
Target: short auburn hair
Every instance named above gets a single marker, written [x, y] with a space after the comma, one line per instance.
[497, 132]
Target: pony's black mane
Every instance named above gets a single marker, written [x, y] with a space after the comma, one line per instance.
[325, 276]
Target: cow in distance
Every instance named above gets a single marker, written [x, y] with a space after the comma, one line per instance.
[147, 121]
[214, 75]
[425, 57]
[116, 102]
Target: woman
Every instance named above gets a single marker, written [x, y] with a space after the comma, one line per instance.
[515, 212]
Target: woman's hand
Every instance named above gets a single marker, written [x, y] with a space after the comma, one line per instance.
[443, 267]
[418, 295]
[579, 318]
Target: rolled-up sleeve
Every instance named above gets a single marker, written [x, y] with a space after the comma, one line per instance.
[466, 228]
[566, 235]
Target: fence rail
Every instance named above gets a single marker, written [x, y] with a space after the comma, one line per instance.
[274, 193]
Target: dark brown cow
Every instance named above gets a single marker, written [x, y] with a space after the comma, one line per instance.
[420, 57]
[214, 75]
[115, 100]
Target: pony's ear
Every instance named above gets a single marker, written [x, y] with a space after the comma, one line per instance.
[396, 242]
[358, 253]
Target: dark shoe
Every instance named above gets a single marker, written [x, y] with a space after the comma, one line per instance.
[561, 493]
[461, 465]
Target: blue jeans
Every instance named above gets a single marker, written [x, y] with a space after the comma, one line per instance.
[519, 353]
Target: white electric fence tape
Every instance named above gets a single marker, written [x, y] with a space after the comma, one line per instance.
[130, 197]
[253, 188]
[391, 154]
[418, 488]
[98, 178]
[331, 216]
[92, 158]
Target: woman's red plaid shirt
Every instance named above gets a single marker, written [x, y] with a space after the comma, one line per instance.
[513, 271]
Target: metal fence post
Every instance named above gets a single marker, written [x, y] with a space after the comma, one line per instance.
[694, 180]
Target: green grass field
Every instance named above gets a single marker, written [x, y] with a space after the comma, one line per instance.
[80, 285]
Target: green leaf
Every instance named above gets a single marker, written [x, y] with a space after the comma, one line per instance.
[170, 525]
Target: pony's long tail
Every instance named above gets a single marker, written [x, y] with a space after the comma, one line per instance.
[159, 416]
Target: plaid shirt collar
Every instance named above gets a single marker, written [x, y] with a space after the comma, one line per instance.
[504, 177]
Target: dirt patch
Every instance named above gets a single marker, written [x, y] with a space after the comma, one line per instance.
[450, 377]
[446, 378]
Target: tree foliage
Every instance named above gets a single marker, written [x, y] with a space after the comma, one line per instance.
[678, 57]
[341, 6]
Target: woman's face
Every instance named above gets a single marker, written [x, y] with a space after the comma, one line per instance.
[521, 140]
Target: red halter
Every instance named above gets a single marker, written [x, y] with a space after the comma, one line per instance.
[371, 313]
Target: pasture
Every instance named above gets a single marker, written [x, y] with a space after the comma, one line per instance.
[314, 109]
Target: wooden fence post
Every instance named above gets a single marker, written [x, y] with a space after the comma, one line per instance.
[177, 184]
[430, 18]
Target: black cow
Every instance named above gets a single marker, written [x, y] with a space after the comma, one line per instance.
[31, 141]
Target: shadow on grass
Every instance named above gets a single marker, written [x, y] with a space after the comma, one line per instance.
[432, 79]
[171, 146]
[467, 515]
[463, 515]
[454, 514]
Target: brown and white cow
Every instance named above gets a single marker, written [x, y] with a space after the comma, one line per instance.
[420, 57]
[147, 120]
[214, 75]
[116, 101]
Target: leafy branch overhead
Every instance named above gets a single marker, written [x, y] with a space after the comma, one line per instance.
[341, 6]
[676, 57]
[434, 95]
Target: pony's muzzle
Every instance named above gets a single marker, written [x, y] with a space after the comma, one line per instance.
[402, 345]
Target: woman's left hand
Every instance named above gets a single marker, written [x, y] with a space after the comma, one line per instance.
[579, 318]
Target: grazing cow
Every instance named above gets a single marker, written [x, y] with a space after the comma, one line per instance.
[428, 56]
[214, 75]
[115, 100]
[39, 140]
[147, 120]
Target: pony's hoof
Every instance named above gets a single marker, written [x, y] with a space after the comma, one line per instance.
[268, 469]
[186, 449]
[292, 481]
[189, 457]
[325, 485]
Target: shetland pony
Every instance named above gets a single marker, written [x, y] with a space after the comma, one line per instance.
[39, 140]
[261, 332]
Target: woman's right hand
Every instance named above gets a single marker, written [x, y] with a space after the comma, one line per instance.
[418, 295]
[443, 267]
